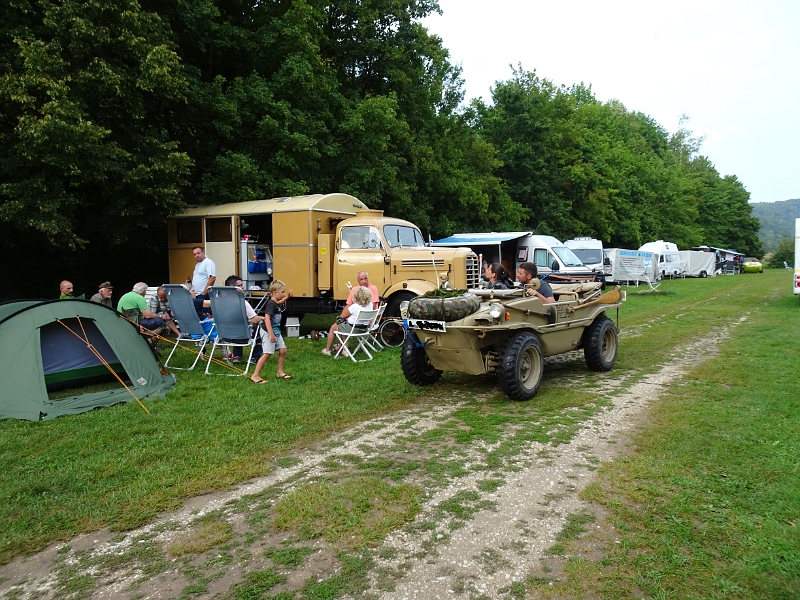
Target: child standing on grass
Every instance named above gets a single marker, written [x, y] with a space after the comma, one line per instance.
[271, 338]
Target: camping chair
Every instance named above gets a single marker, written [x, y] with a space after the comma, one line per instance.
[652, 286]
[786, 266]
[233, 328]
[372, 341]
[361, 331]
[182, 307]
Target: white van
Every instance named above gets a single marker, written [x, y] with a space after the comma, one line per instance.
[513, 248]
[589, 250]
[666, 255]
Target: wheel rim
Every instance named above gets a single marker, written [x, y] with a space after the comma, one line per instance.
[609, 345]
[529, 366]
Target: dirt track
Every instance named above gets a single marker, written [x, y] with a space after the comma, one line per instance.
[502, 541]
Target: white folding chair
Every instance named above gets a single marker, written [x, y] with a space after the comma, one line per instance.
[360, 332]
[372, 341]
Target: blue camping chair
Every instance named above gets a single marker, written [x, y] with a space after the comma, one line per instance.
[233, 328]
[182, 307]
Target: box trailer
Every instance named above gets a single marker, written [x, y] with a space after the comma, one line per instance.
[697, 263]
[631, 267]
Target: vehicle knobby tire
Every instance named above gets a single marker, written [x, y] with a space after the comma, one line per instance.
[600, 343]
[417, 369]
[521, 366]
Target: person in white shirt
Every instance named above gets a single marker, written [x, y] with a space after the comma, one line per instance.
[205, 272]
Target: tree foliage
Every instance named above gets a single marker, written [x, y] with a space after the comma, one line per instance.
[115, 114]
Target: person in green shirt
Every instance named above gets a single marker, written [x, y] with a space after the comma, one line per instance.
[66, 290]
[135, 300]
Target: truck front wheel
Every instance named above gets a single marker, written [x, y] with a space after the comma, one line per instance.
[414, 361]
[521, 366]
[600, 344]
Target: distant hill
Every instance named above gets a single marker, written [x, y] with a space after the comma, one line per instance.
[777, 221]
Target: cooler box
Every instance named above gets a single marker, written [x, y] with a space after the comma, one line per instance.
[292, 327]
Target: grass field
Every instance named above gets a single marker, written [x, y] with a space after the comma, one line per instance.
[707, 506]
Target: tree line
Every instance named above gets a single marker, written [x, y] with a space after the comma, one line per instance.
[115, 114]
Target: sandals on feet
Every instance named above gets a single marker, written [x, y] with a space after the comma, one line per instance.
[259, 382]
[285, 377]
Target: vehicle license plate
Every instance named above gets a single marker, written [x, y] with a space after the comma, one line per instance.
[426, 325]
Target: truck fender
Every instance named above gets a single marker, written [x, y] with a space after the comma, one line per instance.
[414, 286]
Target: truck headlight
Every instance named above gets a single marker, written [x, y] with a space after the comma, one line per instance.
[495, 310]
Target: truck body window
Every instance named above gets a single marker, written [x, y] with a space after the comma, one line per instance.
[190, 231]
[542, 258]
[219, 230]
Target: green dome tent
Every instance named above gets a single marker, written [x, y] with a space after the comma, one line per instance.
[43, 346]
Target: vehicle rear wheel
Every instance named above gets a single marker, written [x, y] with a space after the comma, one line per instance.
[416, 366]
[391, 333]
[703, 274]
[393, 307]
[521, 366]
[600, 344]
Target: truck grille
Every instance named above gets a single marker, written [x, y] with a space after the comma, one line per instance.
[425, 262]
[473, 271]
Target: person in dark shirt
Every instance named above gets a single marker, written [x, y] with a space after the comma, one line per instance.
[526, 273]
[498, 278]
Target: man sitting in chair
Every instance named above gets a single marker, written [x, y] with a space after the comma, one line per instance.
[133, 301]
[528, 271]
[159, 304]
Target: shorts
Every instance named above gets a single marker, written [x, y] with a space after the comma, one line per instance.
[152, 324]
[270, 347]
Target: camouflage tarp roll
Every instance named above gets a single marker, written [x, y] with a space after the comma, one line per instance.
[444, 309]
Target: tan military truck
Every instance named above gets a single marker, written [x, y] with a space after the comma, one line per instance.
[316, 244]
[509, 334]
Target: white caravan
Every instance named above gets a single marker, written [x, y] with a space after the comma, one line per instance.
[515, 247]
[666, 255]
[590, 251]
[796, 286]
[695, 263]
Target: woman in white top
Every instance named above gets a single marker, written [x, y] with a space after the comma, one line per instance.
[362, 300]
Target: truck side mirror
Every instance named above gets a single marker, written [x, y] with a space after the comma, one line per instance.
[554, 266]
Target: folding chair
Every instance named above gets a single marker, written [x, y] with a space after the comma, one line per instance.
[361, 332]
[233, 328]
[182, 307]
[373, 341]
[652, 286]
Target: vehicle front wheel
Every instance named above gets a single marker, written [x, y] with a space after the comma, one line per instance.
[417, 369]
[393, 306]
[521, 366]
[600, 344]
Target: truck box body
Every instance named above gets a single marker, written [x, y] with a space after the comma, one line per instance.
[697, 263]
[666, 256]
[316, 245]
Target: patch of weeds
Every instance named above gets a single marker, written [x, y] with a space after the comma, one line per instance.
[256, 584]
[557, 548]
[288, 557]
[516, 546]
[387, 553]
[516, 590]
[353, 512]
[574, 526]
[490, 485]
[202, 535]
[352, 578]
[222, 559]
[286, 462]
[491, 560]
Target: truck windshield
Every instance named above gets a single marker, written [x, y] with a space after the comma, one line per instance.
[402, 235]
[362, 237]
[567, 256]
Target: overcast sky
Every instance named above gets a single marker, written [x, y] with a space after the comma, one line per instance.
[733, 67]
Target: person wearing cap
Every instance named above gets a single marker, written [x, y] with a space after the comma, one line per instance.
[104, 295]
